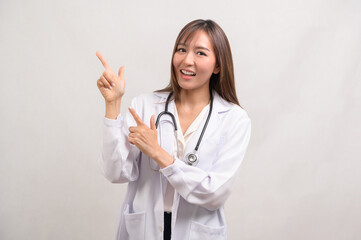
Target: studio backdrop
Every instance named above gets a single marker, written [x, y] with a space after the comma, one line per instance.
[298, 76]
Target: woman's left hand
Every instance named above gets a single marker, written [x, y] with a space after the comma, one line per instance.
[143, 137]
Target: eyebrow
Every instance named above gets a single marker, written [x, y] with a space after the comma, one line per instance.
[197, 47]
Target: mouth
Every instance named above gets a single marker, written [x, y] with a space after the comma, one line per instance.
[187, 73]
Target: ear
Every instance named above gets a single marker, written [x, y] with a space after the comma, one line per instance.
[216, 69]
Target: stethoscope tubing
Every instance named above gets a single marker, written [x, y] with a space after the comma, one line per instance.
[167, 113]
[191, 158]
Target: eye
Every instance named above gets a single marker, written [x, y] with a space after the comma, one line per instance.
[201, 53]
[181, 50]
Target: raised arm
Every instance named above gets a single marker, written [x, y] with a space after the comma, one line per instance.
[118, 161]
[112, 87]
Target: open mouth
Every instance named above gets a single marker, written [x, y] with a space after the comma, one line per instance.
[187, 73]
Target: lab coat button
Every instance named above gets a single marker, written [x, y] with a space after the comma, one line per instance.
[160, 228]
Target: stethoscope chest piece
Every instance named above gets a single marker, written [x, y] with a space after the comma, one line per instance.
[192, 159]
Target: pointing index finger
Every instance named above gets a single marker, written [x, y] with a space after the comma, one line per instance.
[137, 119]
[102, 59]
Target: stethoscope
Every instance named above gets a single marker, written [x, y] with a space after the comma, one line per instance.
[192, 157]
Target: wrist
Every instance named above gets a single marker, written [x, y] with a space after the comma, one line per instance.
[115, 102]
[112, 109]
[163, 158]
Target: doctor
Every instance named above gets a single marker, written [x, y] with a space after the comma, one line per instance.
[178, 181]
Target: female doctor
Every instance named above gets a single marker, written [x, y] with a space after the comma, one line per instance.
[178, 148]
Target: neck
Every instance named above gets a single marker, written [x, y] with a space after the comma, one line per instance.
[193, 99]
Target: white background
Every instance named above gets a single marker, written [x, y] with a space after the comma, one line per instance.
[298, 73]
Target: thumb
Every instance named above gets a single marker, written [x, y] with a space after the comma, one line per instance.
[121, 72]
[152, 123]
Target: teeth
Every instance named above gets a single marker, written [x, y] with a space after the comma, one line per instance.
[188, 73]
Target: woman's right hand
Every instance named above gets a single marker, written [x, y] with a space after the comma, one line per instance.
[111, 86]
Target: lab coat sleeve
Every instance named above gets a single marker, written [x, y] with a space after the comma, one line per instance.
[211, 188]
[118, 160]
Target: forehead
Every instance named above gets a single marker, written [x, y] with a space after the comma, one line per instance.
[199, 37]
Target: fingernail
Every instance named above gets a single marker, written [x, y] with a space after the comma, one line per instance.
[110, 87]
[113, 84]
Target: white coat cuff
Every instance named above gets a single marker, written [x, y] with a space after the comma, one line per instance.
[113, 122]
[171, 169]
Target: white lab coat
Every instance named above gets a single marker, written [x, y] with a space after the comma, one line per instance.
[200, 191]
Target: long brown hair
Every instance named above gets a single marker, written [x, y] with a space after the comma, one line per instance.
[222, 82]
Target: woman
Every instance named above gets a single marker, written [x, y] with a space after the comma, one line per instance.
[177, 185]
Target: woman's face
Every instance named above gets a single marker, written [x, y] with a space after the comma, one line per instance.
[194, 62]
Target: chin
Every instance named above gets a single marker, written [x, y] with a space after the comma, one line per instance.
[189, 87]
[186, 86]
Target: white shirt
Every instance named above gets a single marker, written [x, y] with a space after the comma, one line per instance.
[182, 145]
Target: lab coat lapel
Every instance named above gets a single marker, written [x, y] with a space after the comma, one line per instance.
[219, 107]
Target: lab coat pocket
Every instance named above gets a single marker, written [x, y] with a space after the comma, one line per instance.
[135, 224]
[199, 231]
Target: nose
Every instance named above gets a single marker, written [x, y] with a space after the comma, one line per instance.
[188, 58]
